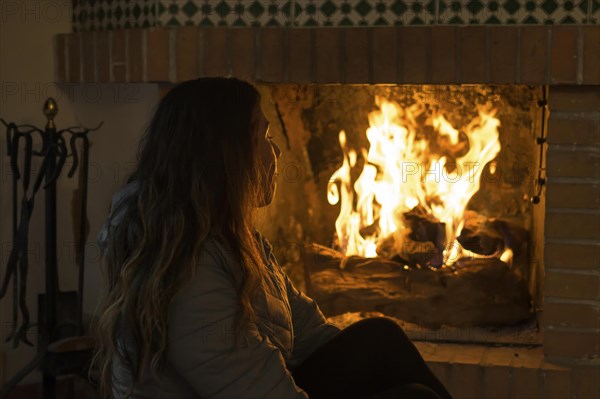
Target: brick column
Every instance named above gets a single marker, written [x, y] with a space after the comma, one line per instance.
[572, 227]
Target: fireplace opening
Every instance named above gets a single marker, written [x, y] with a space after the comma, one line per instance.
[411, 201]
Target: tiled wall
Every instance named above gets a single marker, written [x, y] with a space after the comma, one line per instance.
[123, 14]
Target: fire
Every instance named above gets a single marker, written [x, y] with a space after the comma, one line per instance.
[401, 172]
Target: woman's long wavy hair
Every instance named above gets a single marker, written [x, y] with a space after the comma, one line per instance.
[197, 173]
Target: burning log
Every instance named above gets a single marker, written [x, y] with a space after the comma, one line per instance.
[409, 252]
[479, 236]
[422, 242]
[476, 292]
[486, 236]
[514, 235]
[425, 227]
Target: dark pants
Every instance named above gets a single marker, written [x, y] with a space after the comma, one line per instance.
[371, 359]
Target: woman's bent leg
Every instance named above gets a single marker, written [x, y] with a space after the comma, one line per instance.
[368, 357]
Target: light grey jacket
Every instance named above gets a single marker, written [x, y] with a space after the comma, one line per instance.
[200, 363]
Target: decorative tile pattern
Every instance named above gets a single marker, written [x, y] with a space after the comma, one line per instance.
[115, 14]
[90, 15]
[508, 12]
[226, 13]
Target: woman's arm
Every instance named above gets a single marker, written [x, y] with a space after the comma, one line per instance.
[201, 342]
[311, 329]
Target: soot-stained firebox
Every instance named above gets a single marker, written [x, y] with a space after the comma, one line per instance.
[412, 201]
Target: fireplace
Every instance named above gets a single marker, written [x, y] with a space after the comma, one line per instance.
[432, 224]
[317, 81]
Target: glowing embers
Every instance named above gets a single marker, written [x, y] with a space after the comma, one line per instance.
[417, 178]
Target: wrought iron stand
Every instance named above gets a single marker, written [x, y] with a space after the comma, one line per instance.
[62, 346]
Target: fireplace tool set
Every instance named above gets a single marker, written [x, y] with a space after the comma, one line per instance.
[62, 345]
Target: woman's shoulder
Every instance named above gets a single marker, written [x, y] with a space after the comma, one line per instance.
[116, 212]
[217, 260]
[216, 251]
[214, 266]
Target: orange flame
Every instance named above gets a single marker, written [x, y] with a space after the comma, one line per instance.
[400, 173]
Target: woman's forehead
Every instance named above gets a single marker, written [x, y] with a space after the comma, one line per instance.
[260, 116]
[260, 122]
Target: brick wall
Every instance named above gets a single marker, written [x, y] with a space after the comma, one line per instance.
[439, 54]
[572, 228]
[473, 371]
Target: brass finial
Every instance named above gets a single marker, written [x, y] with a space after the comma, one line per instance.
[50, 110]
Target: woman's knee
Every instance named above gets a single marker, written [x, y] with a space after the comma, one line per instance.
[381, 327]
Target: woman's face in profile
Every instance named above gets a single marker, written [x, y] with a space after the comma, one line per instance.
[269, 152]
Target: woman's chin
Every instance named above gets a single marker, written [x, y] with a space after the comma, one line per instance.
[265, 202]
[267, 198]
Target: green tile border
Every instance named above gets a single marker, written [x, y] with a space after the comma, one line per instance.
[89, 15]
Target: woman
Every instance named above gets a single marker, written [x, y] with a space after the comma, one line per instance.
[196, 305]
